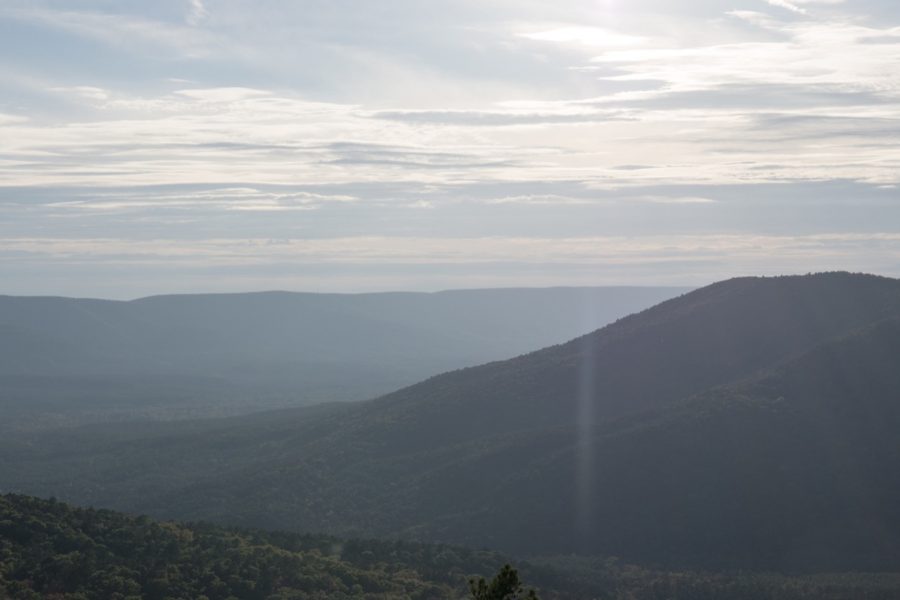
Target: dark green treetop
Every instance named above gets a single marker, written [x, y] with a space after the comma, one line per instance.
[504, 586]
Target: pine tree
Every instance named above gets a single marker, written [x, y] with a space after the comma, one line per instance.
[504, 586]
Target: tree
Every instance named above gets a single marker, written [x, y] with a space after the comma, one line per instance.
[504, 586]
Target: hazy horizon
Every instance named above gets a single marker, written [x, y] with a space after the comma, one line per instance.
[348, 293]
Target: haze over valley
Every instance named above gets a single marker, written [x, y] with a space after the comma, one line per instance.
[776, 392]
[405, 300]
[68, 361]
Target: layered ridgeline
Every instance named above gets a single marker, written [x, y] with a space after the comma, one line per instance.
[68, 360]
[749, 424]
[51, 550]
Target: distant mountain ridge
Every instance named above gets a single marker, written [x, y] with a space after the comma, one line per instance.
[748, 424]
[225, 353]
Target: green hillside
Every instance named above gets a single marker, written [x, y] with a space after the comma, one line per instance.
[50, 550]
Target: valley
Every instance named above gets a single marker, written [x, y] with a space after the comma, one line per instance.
[748, 424]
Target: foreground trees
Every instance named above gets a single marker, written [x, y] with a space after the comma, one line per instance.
[50, 550]
[504, 586]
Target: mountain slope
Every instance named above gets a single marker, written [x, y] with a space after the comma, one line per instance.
[796, 468]
[678, 348]
[659, 438]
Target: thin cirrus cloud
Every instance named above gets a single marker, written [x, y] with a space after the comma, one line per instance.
[789, 6]
[595, 37]
[201, 201]
[519, 130]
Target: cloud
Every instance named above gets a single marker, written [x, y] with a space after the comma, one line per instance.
[197, 12]
[11, 119]
[674, 199]
[788, 6]
[540, 200]
[498, 118]
[227, 94]
[587, 123]
[87, 92]
[827, 127]
[756, 18]
[810, 52]
[204, 201]
[406, 156]
[585, 36]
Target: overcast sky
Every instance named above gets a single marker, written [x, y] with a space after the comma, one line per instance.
[358, 145]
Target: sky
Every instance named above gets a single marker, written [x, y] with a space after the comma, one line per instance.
[352, 145]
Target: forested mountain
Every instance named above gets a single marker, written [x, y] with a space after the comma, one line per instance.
[51, 550]
[66, 360]
[749, 424]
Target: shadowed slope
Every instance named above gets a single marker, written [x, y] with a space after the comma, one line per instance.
[796, 468]
[678, 348]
